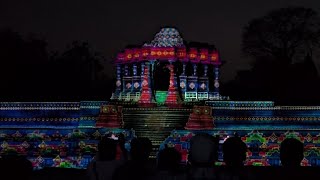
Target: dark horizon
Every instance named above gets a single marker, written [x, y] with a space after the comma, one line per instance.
[109, 27]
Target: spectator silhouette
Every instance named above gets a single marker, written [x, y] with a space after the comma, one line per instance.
[16, 168]
[291, 152]
[121, 150]
[169, 159]
[234, 155]
[104, 164]
[138, 166]
[202, 156]
[168, 164]
[234, 152]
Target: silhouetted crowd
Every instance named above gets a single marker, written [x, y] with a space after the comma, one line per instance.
[114, 162]
[203, 154]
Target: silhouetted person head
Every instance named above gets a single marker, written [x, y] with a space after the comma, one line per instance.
[234, 151]
[140, 149]
[169, 159]
[107, 149]
[203, 150]
[291, 152]
[16, 167]
[122, 139]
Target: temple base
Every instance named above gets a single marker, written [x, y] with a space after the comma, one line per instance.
[174, 105]
[110, 117]
[202, 122]
[147, 105]
[200, 119]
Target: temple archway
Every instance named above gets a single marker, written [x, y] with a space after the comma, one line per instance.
[161, 78]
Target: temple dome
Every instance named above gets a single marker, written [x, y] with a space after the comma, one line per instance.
[167, 37]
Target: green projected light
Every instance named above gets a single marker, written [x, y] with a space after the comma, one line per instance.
[161, 96]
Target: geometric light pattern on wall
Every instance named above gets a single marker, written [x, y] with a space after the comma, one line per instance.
[65, 148]
[263, 146]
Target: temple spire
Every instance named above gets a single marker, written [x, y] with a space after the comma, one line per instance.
[146, 94]
[173, 95]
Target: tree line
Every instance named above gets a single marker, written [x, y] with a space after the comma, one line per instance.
[282, 46]
[29, 72]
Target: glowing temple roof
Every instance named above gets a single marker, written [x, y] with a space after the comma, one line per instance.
[167, 37]
[168, 45]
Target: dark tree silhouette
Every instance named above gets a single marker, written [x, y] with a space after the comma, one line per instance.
[283, 69]
[284, 34]
[81, 62]
[22, 64]
[77, 72]
[28, 72]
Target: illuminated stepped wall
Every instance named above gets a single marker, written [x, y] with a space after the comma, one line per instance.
[89, 112]
[263, 145]
[67, 148]
[262, 126]
[154, 123]
[49, 114]
[263, 115]
[52, 134]
[63, 134]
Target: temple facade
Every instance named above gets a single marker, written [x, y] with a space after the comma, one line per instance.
[66, 134]
[135, 69]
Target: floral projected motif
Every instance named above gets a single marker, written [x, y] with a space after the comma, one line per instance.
[267, 144]
[167, 37]
[128, 85]
[144, 83]
[66, 148]
[182, 84]
[215, 56]
[171, 83]
[136, 85]
[216, 84]
[105, 110]
[118, 83]
[203, 86]
[192, 85]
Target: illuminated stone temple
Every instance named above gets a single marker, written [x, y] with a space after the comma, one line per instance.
[187, 102]
[135, 68]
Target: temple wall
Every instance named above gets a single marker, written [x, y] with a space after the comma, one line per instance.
[226, 114]
[47, 114]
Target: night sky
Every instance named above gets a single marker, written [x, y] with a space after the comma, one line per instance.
[111, 25]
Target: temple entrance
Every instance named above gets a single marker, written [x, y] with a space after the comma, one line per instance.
[161, 78]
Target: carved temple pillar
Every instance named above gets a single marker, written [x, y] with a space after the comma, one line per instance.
[134, 69]
[194, 69]
[151, 78]
[205, 74]
[216, 81]
[136, 80]
[146, 94]
[127, 80]
[142, 65]
[173, 95]
[118, 81]
[204, 80]
[174, 76]
[193, 80]
[183, 80]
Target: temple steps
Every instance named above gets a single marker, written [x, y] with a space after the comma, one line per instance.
[154, 124]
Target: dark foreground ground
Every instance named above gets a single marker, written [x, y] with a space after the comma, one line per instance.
[265, 173]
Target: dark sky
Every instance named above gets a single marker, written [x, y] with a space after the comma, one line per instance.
[110, 25]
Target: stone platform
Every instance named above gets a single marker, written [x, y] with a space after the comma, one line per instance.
[64, 134]
[55, 147]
